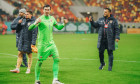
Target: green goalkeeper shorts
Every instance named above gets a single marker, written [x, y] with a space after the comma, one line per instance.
[45, 51]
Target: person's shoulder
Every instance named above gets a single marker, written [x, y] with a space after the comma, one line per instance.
[101, 18]
[33, 18]
[52, 17]
[17, 18]
[114, 19]
[42, 16]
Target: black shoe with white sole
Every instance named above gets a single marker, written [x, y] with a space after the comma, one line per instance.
[37, 82]
[101, 66]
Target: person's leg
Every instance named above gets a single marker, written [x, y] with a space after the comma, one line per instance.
[29, 60]
[41, 57]
[19, 61]
[55, 67]
[110, 54]
[55, 56]
[101, 55]
[38, 69]
[25, 60]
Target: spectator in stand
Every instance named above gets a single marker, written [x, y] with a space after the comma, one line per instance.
[15, 12]
[0, 26]
[4, 28]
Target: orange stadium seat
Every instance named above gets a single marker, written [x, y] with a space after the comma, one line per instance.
[123, 10]
[120, 8]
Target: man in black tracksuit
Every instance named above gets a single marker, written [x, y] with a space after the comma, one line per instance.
[16, 25]
[108, 34]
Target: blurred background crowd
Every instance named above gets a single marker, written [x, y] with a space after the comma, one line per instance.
[125, 11]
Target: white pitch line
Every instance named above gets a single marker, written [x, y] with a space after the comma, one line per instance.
[12, 55]
[9, 54]
[98, 59]
[77, 58]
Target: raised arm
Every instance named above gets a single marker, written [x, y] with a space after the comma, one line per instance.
[93, 23]
[15, 25]
[32, 26]
[61, 26]
[35, 24]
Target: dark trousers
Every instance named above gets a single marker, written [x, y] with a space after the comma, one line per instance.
[104, 45]
[25, 59]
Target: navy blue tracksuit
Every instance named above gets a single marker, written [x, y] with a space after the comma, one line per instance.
[16, 26]
[108, 32]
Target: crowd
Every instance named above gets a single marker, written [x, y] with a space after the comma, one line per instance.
[123, 10]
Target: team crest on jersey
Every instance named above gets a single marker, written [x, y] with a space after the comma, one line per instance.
[51, 20]
[29, 23]
[110, 21]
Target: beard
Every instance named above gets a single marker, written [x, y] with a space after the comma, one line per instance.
[105, 16]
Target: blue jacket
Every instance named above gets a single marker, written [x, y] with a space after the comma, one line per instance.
[27, 37]
[112, 31]
[16, 26]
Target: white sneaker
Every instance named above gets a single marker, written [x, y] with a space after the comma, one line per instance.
[56, 82]
[15, 71]
[37, 82]
[28, 71]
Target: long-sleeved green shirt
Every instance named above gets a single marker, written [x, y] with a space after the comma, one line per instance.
[45, 29]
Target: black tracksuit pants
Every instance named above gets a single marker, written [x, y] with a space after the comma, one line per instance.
[104, 45]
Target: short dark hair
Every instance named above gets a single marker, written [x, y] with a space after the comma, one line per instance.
[46, 6]
[29, 11]
[108, 9]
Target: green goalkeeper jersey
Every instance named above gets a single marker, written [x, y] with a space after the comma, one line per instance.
[45, 29]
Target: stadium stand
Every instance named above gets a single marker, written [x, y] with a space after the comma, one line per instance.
[123, 10]
[127, 12]
[60, 8]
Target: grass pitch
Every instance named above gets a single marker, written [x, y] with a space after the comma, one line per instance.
[79, 61]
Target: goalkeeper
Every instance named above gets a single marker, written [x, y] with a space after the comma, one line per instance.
[46, 45]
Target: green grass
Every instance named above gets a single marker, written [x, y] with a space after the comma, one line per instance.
[74, 49]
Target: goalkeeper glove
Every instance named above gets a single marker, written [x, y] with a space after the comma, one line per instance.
[34, 48]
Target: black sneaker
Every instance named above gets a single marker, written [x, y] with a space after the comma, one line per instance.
[101, 66]
[109, 68]
[22, 65]
[37, 82]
